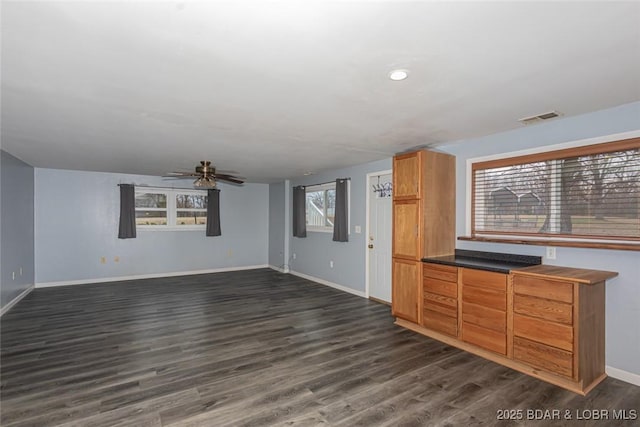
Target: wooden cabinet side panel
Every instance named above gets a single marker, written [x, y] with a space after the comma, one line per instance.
[590, 332]
[406, 289]
[439, 204]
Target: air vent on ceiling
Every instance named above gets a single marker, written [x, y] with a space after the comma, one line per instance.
[538, 118]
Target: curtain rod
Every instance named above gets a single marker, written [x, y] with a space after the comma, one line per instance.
[323, 183]
[169, 188]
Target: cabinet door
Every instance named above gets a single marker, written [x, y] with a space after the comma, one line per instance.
[406, 176]
[406, 232]
[406, 289]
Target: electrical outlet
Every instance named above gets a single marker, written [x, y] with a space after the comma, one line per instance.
[294, 255]
[230, 253]
[103, 260]
[331, 264]
[116, 259]
[551, 252]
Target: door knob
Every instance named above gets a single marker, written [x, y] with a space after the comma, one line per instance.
[370, 245]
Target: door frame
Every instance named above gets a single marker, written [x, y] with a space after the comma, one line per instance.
[368, 226]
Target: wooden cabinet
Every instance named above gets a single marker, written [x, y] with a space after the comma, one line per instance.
[407, 175]
[423, 224]
[545, 321]
[440, 298]
[406, 232]
[558, 325]
[484, 309]
[405, 294]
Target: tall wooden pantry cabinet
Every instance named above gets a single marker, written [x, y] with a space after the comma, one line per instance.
[424, 191]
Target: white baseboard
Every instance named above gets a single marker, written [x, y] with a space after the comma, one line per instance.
[273, 267]
[147, 276]
[284, 269]
[16, 300]
[621, 375]
[330, 284]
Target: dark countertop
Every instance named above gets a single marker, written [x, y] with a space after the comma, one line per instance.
[489, 261]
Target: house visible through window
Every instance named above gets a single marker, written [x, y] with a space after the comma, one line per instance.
[170, 209]
[321, 205]
[590, 192]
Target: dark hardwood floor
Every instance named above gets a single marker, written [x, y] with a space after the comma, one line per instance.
[252, 348]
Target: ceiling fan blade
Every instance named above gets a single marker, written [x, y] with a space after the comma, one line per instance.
[226, 175]
[229, 178]
[181, 175]
[174, 173]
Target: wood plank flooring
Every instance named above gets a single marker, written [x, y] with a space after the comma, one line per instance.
[251, 348]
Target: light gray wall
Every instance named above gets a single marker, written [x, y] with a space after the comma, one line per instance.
[623, 292]
[16, 217]
[276, 225]
[314, 252]
[76, 223]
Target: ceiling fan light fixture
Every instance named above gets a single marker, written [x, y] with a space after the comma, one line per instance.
[204, 182]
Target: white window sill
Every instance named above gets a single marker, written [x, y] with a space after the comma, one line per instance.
[320, 229]
[171, 228]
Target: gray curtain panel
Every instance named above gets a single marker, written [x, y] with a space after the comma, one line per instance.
[299, 212]
[213, 213]
[341, 221]
[127, 226]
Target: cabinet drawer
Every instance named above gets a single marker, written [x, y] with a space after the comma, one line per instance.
[543, 308]
[440, 287]
[543, 356]
[486, 297]
[485, 338]
[484, 279]
[440, 322]
[543, 288]
[495, 320]
[440, 272]
[441, 304]
[554, 334]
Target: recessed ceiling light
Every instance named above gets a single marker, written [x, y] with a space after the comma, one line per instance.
[308, 173]
[398, 75]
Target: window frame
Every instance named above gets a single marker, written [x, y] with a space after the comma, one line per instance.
[325, 187]
[172, 209]
[610, 143]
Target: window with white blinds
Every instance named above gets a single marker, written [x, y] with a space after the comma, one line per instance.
[590, 192]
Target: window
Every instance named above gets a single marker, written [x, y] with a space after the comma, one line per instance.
[191, 209]
[170, 209]
[151, 208]
[321, 206]
[589, 193]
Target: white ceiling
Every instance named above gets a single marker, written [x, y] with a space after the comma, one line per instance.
[272, 90]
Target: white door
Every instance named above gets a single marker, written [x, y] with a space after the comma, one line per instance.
[379, 238]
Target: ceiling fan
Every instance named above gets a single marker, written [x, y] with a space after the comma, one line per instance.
[206, 176]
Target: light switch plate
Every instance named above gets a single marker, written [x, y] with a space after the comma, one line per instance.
[358, 229]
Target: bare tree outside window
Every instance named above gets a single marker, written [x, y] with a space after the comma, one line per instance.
[594, 195]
